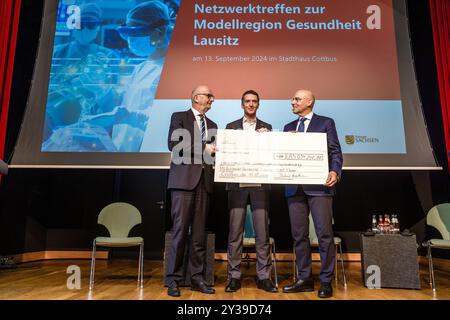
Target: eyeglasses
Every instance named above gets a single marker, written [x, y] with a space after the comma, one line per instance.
[297, 99]
[208, 95]
[133, 31]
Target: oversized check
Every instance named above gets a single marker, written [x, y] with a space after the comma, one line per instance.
[246, 156]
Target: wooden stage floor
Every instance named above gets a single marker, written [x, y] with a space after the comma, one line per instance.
[116, 280]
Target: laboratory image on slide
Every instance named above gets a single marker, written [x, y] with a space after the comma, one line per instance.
[106, 64]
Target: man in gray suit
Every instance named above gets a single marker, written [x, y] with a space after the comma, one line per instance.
[238, 197]
[190, 183]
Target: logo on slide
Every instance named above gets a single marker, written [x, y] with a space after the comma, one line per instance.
[352, 139]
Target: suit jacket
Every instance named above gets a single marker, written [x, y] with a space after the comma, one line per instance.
[186, 176]
[335, 159]
[238, 125]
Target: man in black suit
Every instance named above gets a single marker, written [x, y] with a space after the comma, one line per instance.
[238, 197]
[190, 182]
[317, 199]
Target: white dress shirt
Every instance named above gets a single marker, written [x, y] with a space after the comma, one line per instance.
[248, 124]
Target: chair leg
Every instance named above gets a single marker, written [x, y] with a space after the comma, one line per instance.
[274, 252]
[336, 277]
[294, 255]
[242, 257]
[91, 277]
[344, 279]
[140, 266]
[247, 258]
[430, 268]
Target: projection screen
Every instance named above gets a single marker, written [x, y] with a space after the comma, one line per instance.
[109, 74]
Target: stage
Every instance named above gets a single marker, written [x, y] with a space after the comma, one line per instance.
[117, 280]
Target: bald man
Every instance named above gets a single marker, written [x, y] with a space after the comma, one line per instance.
[190, 183]
[317, 199]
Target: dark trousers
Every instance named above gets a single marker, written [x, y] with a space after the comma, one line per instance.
[322, 214]
[237, 204]
[189, 210]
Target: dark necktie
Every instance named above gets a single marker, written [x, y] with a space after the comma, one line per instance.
[202, 127]
[301, 124]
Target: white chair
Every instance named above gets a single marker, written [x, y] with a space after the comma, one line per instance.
[119, 218]
[439, 218]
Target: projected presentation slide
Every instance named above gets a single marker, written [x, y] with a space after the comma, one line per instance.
[120, 68]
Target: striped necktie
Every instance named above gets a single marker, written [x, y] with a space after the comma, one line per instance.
[202, 127]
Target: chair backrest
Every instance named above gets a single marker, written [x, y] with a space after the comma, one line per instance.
[439, 218]
[119, 218]
[249, 229]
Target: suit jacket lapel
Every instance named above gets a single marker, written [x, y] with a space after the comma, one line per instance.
[192, 123]
[259, 124]
[293, 126]
[240, 124]
[312, 124]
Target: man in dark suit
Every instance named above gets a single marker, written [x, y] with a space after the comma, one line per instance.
[317, 199]
[238, 197]
[190, 182]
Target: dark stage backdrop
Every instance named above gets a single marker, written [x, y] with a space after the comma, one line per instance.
[57, 209]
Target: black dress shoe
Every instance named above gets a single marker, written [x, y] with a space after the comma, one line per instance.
[234, 285]
[173, 290]
[202, 287]
[325, 291]
[306, 285]
[266, 285]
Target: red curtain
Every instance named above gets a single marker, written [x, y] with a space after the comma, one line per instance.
[9, 24]
[440, 16]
